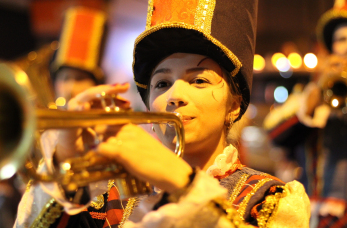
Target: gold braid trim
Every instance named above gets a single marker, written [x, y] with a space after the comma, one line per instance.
[149, 14]
[269, 208]
[140, 85]
[48, 215]
[228, 53]
[98, 203]
[132, 202]
[204, 15]
[238, 188]
[231, 213]
[234, 217]
[243, 205]
[109, 186]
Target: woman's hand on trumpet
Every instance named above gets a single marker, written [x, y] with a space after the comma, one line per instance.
[72, 142]
[129, 145]
[146, 158]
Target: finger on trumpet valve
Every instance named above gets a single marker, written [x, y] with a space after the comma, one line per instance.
[110, 102]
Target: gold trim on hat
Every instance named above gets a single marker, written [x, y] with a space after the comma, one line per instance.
[226, 51]
[326, 18]
[149, 14]
[204, 15]
[140, 85]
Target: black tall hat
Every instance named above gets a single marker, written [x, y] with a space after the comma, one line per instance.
[81, 42]
[329, 21]
[224, 30]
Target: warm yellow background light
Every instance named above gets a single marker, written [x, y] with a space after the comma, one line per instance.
[259, 63]
[295, 60]
[60, 101]
[21, 78]
[275, 57]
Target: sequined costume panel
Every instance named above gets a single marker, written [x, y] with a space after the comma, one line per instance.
[247, 188]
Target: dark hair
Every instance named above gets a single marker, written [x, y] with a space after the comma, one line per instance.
[233, 83]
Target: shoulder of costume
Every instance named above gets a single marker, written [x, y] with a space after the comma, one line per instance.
[248, 187]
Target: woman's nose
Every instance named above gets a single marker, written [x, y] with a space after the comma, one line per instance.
[176, 95]
[177, 103]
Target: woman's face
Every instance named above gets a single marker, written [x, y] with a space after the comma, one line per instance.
[70, 82]
[192, 85]
[339, 46]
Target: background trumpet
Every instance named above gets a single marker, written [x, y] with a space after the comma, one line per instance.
[334, 85]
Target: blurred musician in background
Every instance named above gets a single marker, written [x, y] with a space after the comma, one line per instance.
[75, 66]
[313, 125]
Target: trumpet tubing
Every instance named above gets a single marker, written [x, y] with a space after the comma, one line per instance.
[335, 92]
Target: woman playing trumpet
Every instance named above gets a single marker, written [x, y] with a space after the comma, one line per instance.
[184, 62]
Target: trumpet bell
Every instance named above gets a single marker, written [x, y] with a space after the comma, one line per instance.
[333, 81]
[335, 92]
[17, 121]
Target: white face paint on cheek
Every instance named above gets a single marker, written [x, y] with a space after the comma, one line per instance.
[156, 103]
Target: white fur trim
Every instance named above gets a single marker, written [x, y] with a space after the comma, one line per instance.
[223, 162]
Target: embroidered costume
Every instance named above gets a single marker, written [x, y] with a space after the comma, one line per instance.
[261, 200]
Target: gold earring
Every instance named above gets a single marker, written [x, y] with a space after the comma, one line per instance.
[153, 128]
[231, 122]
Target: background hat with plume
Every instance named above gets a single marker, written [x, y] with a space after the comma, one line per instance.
[81, 42]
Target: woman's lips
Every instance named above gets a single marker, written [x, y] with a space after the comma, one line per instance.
[187, 119]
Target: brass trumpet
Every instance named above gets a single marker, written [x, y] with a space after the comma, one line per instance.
[19, 120]
[335, 90]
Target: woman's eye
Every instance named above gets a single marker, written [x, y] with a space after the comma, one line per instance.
[341, 39]
[161, 84]
[200, 81]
